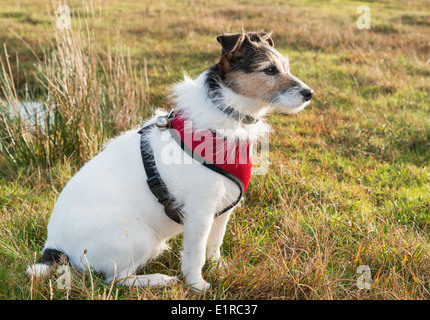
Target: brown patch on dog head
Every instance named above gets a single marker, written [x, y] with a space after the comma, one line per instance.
[231, 45]
[241, 47]
[246, 68]
[259, 85]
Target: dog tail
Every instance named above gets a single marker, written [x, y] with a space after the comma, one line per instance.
[44, 265]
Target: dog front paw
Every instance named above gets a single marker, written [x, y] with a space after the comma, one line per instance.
[199, 286]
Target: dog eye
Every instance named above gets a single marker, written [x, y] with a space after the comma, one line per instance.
[271, 71]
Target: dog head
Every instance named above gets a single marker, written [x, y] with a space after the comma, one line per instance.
[252, 67]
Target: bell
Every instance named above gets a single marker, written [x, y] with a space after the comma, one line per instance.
[162, 123]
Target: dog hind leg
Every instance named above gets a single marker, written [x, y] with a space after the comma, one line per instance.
[43, 266]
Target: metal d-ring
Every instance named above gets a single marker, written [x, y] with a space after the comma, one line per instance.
[164, 122]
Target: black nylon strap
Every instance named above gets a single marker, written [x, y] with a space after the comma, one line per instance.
[154, 181]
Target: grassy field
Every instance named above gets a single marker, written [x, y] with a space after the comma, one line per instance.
[349, 180]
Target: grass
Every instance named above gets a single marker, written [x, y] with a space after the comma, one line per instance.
[349, 180]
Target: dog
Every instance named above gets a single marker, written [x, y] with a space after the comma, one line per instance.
[107, 218]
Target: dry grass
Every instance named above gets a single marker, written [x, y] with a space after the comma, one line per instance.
[349, 181]
[87, 95]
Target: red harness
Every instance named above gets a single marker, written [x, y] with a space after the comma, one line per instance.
[231, 159]
[210, 148]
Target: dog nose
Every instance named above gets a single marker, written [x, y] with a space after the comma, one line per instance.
[307, 93]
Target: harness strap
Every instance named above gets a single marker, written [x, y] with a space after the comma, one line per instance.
[157, 185]
[154, 181]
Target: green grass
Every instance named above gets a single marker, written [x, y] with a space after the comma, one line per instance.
[349, 180]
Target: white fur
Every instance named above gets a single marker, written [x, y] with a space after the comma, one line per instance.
[107, 219]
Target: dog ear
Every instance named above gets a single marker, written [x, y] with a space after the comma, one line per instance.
[230, 42]
[267, 36]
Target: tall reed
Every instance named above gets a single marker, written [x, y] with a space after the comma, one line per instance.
[85, 94]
